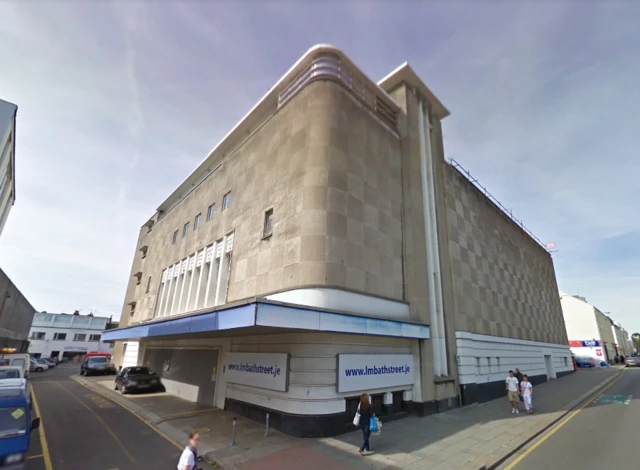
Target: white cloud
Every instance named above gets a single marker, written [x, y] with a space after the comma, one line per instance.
[120, 101]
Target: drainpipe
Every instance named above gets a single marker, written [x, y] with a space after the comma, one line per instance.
[435, 336]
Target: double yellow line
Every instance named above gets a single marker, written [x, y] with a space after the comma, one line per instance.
[558, 426]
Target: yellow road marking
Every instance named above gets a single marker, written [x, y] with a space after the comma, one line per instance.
[558, 426]
[188, 413]
[154, 429]
[43, 438]
[39, 456]
[100, 420]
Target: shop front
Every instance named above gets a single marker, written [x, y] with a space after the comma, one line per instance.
[305, 367]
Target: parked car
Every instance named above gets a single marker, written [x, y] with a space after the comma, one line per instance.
[36, 366]
[49, 361]
[137, 379]
[16, 424]
[97, 365]
[97, 354]
[632, 361]
[46, 362]
[582, 361]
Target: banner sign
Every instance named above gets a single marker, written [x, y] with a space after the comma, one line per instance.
[270, 371]
[590, 343]
[364, 372]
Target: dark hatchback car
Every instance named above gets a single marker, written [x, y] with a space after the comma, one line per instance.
[138, 379]
[97, 365]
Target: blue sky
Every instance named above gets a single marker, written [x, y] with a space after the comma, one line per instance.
[118, 102]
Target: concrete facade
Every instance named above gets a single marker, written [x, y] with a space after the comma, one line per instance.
[335, 240]
[16, 315]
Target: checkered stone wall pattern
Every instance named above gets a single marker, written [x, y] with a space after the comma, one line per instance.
[504, 282]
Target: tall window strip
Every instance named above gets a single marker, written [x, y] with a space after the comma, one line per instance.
[210, 211]
[197, 282]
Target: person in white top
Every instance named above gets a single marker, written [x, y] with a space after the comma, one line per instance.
[190, 453]
[511, 386]
[526, 390]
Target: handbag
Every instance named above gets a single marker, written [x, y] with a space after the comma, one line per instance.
[356, 418]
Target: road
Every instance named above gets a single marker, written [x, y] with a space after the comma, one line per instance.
[84, 430]
[601, 435]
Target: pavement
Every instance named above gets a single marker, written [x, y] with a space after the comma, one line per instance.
[477, 437]
[82, 429]
[602, 434]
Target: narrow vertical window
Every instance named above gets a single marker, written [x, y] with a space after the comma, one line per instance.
[210, 211]
[175, 238]
[226, 201]
[185, 230]
[148, 285]
[196, 222]
[268, 224]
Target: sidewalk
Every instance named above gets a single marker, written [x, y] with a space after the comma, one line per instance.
[470, 438]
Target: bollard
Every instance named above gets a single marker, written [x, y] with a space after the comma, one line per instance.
[266, 431]
[233, 432]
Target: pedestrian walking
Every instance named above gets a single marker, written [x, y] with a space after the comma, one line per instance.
[190, 453]
[511, 386]
[526, 391]
[364, 415]
[519, 376]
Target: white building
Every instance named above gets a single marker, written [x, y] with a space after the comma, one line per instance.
[590, 332]
[65, 335]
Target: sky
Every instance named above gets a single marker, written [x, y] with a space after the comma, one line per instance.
[118, 103]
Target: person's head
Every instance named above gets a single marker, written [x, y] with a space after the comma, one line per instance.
[364, 401]
[194, 439]
[525, 377]
[517, 370]
[510, 373]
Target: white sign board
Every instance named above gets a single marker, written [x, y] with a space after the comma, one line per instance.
[364, 372]
[269, 371]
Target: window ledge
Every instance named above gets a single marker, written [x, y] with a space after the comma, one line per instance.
[266, 237]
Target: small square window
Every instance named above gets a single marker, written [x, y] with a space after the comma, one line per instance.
[210, 211]
[59, 336]
[226, 201]
[175, 238]
[268, 224]
[37, 335]
[80, 337]
[185, 230]
[196, 222]
[94, 337]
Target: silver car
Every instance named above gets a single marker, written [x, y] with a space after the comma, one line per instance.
[632, 361]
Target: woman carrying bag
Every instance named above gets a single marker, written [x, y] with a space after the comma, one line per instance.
[363, 419]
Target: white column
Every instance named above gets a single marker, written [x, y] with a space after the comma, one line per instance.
[164, 310]
[212, 260]
[204, 252]
[175, 289]
[183, 271]
[435, 340]
[191, 267]
[435, 247]
[220, 270]
[163, 288]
